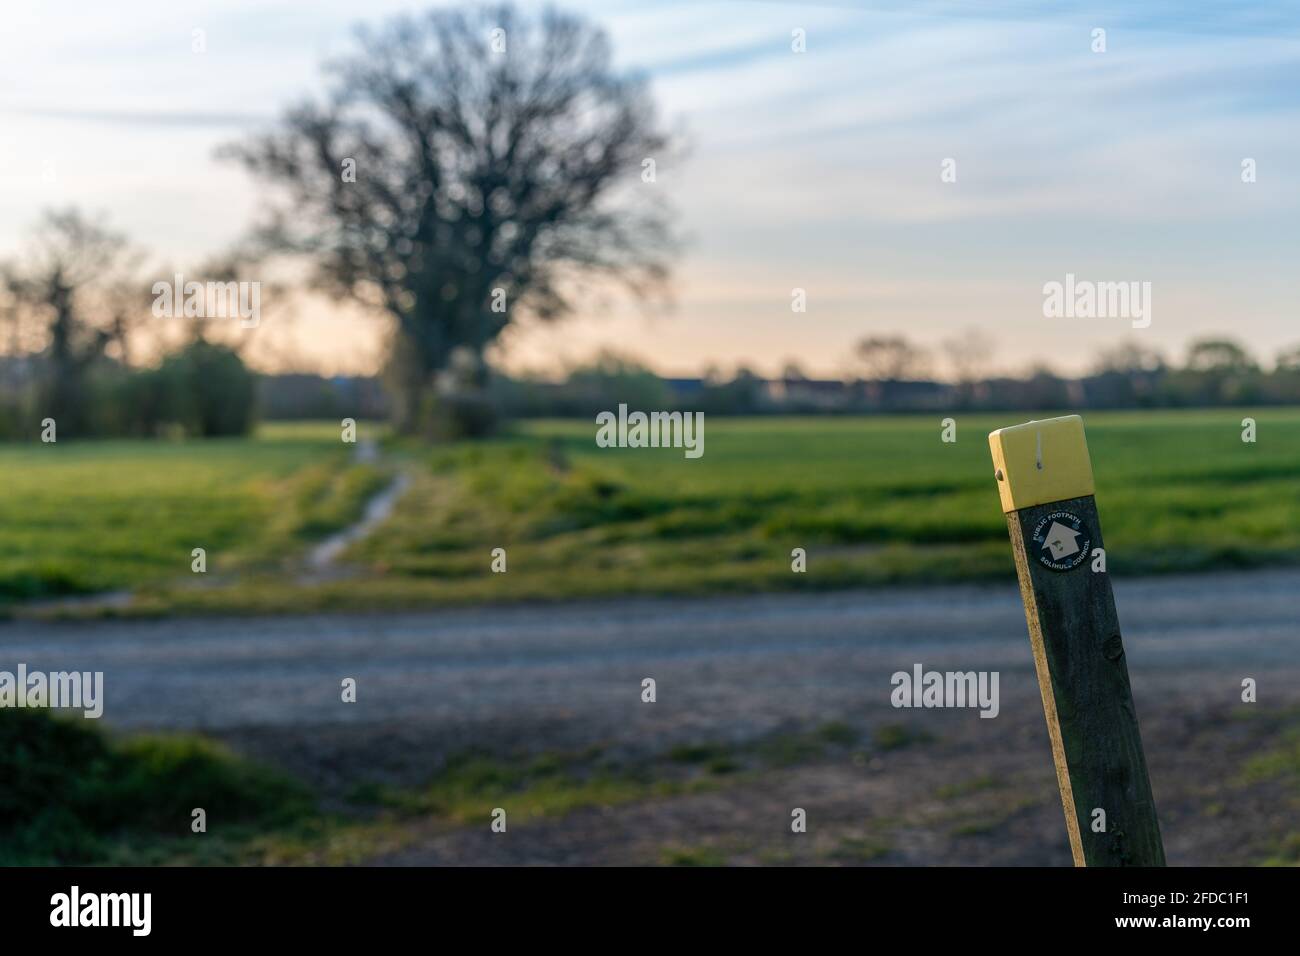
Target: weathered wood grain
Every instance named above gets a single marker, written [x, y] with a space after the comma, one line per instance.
[1083, 678]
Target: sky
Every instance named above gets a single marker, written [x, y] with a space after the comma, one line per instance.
[819, 170]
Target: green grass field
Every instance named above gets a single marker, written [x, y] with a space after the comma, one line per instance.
[872, 500]
[87, 517]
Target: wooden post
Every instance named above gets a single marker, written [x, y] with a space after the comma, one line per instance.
[1045, 478]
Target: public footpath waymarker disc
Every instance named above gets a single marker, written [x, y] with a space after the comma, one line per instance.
[1061, 541]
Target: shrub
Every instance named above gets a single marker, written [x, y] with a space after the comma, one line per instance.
[70, 790]
[213, 391]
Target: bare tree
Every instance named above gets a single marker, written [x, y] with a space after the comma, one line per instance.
[72, 302]
[1128, 358]
[968, 354]
[467, 169]
[1288, 360]
[890, 358]
[12, 360]
[792, 371]
[1219, 356]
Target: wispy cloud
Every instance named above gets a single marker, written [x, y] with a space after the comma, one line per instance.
[818, 170]
[121, 117]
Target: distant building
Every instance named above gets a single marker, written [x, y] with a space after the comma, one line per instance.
[684, 388]
[903, 395]
[811, 393]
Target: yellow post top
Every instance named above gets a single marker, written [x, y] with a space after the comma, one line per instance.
[1038, 462]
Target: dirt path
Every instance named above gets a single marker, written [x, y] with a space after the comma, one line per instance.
[322, 559]
[967, 797]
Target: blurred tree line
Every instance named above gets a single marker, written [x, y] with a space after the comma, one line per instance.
[72, 307]
[889, 374]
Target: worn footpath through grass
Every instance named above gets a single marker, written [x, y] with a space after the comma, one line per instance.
[872, 501]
